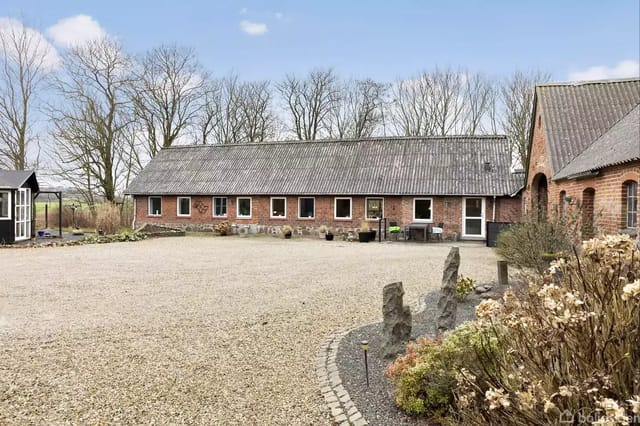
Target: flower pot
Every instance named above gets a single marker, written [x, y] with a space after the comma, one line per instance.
[372, 235]
[287, 235]
[364, 237]
[328, 237]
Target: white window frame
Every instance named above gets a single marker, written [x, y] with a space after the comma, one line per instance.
[430, 220]
[238, 215]
[628, 200]
[22, 225]
[226, 206]
[271, 215]
[178, 207]
[9, 209]
[335, 208]
[149, 212]
[366, 206]
[314, 208]
[483, 222]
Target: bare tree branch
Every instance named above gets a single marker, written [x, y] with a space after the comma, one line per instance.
[357, 110]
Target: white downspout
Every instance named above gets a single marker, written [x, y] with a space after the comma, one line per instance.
[135, 212]
[493, 219]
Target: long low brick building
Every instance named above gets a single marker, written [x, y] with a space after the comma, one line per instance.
[462, 182]
[584, 158]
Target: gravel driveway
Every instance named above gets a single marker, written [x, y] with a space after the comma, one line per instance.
[196, 330]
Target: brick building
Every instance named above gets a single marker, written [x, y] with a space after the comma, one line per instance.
[462, 182]
[584, 154]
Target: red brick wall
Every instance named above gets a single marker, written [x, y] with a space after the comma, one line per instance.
[608, 205]
[444, 209]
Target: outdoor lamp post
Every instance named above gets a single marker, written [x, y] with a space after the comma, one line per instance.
[365, 348]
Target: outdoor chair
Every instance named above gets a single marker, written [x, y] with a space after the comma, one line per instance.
[436, 231]
[394, 229]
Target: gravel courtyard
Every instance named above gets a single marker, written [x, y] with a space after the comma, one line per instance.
[195, 330]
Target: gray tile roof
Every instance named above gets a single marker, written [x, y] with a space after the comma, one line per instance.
[620, 144]
[576, 114]
[14, 178]
[381, 166]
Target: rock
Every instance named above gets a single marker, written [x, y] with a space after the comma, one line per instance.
[448, 302]
[396, 329]
[483, 289]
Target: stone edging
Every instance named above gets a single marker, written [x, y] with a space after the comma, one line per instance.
[336, 398]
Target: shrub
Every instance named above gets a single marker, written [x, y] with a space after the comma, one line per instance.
[568, 346]
[108, 218]
[464, 286]
[425, 378]
[526, 244]
[223, 228]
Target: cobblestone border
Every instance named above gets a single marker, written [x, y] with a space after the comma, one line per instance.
[336, 398]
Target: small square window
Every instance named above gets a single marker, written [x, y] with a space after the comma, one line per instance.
[184, 206]
[306, 208]
[374, 208]
[155, 206]
[244, 207]
[342, 208]
[422, 209]
[220, 206]
[278, 207]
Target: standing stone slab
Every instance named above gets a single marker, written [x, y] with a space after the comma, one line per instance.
[396, 328]
[503, 273]
[448, 303]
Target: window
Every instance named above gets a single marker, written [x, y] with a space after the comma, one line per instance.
[5, 203]
[306, 208]
[374, 208]
[632, 204]
[342, 208]
[422, 210]
[155, 206]
[278, 207]
[244, 207]
[184, 206]
[220, 206]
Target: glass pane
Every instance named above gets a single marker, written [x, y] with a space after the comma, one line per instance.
[374, 208]
[473, 207]
[220, 206]
[422, 209]
[4, 204]
[185, 206]
[244, 207]
[156, 206]
[307, 208]
[343, 208]
[277, 207]
[473, 226]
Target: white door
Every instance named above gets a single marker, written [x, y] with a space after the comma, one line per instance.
[473, 221]
[23, 214]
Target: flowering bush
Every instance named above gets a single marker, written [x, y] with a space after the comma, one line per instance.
[425, 378]
[464, 286]
[568, 347]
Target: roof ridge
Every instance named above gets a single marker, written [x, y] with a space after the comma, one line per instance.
[588, 82]
[350, 140]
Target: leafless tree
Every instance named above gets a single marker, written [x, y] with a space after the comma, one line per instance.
[92, 124]
[478, 101]
[517, 103]
[168, 94]
[258, 116]
[24, 63]
[357, 111]
[309, 101]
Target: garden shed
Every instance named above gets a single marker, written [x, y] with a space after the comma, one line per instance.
[17, 192]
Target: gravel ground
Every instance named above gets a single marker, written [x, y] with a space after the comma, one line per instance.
[197, 330]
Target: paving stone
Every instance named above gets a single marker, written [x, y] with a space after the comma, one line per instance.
[352, 410]
[330, 398]
[355, 417]
[345, 398]
[360, 422]
[341, 418]
[336, 412]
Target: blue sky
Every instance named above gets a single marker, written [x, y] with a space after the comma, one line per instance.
[384, 40]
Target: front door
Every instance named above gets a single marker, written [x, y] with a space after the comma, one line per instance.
[23, 214]
[473, 217]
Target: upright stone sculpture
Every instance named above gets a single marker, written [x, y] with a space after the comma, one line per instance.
[448, 303]
[396, 329]
[503, 273]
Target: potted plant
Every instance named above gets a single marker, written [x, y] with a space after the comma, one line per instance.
[287, 231]
[364, 235]
[322, 231]
[329, 235]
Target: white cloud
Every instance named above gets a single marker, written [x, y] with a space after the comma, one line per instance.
[628, 68]
[38, 44]
[253, 28]
[75, 30]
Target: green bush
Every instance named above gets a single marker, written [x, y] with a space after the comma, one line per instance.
[425, 377]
